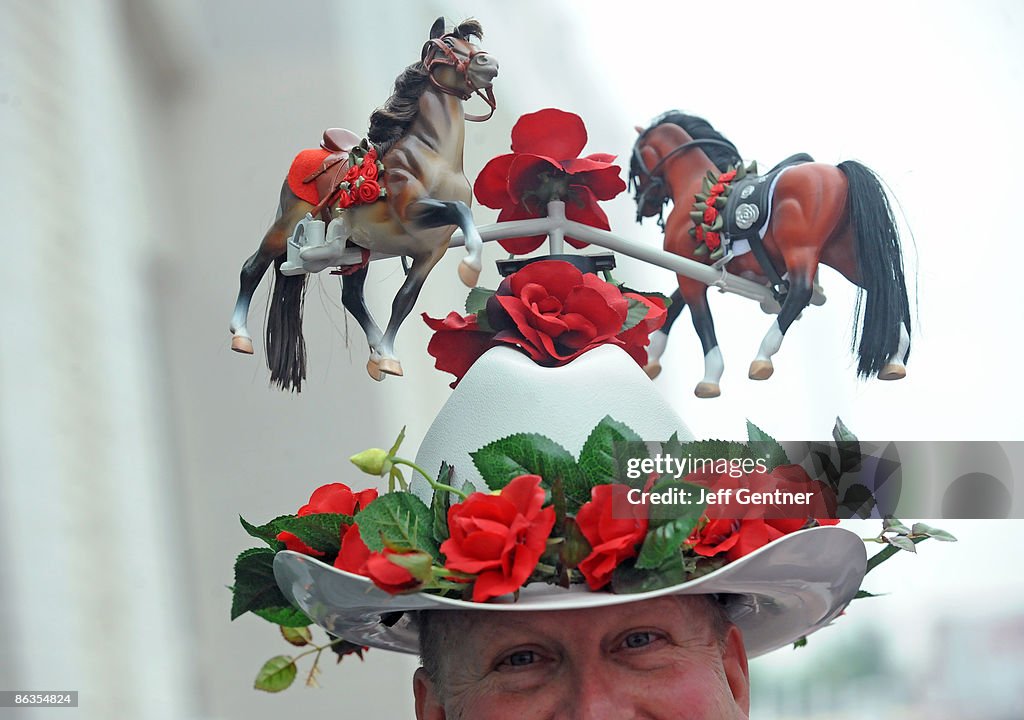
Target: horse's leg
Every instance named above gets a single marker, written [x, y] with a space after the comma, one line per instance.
[801, 288]
[402, 306]
[353, 300]
[436, 213]
[695, 295]
[659, 338]
[273, 244]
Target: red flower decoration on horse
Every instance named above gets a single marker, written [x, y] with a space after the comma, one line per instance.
[545, 165]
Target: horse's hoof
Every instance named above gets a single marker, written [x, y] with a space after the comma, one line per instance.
[468, 275]
[390, 366]
[707, 390]
[892, 371]
[373, 368]
[653, 369]
[241, 344]
[761, 370]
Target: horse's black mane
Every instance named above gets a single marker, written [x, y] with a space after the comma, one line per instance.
[389, 123]
[699, 129]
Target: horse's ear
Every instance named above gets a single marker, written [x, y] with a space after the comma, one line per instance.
[639, 130]
[437, 30]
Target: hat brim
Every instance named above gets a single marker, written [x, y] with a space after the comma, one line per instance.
[778, 593]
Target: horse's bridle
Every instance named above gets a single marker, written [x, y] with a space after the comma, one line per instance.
[656, 181]
[461, 65]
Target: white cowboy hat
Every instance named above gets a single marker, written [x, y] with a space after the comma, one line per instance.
[776, 594]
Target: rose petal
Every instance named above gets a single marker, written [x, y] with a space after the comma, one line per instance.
[491, 186]
[524, 179]
[582, 208]
[550, 132]
[456, 344]
[520, 245]
[558, 277]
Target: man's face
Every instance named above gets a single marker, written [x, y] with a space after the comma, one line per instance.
[657, 660]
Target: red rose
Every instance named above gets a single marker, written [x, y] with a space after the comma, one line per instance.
[332, 498]
[369, 169]
[345, 199]
[356, 558]
[613, 536]
[499, 538]
[457, 343]
[555, 313]
[728, 176]
[713, 240]
[737, 528]
[353, 172]
[389, 577]
[710, 214]
[368, 191]
[353, 554]
[545, 165]
[636, 339]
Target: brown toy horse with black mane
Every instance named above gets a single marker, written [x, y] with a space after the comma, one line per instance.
[418, 136]
[836, 215]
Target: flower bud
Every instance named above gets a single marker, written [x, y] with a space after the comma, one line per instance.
[373, 461]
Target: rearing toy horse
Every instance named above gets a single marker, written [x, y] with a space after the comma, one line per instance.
[837, 215]
[418, 136]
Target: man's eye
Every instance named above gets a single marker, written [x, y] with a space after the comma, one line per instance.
[520, 658]
[638, 640]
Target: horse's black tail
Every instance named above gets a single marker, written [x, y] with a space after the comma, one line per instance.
[286, 348]
[880, 260]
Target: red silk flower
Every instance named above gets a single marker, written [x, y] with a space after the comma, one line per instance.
[615, 530]
[332, 498]
[545, 165]
[552, 312]
[499, 538]
[737, 529]
[356, 558]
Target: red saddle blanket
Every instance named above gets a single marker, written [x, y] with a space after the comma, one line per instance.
[305, 164]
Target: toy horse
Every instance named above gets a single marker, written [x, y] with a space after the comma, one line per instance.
[809, 213]
[416, 143]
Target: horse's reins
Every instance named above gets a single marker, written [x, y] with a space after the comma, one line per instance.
[657, 181]
[461, 66]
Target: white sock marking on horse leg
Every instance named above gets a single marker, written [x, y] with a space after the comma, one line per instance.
[239, 319]
[901, 349]
[657, 347]
[713, 366]
[771, 343]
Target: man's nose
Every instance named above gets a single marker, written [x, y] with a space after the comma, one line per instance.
[599, 697]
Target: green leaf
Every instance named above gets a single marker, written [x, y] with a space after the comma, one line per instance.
[865, 594]
[255, 587]
[902, 542]
[440, 501]
[636, 311]
[666, 535]
[297, 636]
[576, 547]
[849, 447]
[802, 642]
[320, 531]
[891, 524]
[608, 449]
[267, 533]
[767, 446]
[400, 521]
[477, 299]
[277, 674]
[286, 616]
[503, 460]
[929, 531]
[630, 579]
[398, 443]
[883, 555]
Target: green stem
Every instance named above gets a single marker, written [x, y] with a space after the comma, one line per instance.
[433, 483]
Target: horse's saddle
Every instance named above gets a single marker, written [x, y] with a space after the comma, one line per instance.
[748, 205]
[337, 142]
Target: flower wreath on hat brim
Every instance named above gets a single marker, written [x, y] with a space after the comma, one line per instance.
[550, 519]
